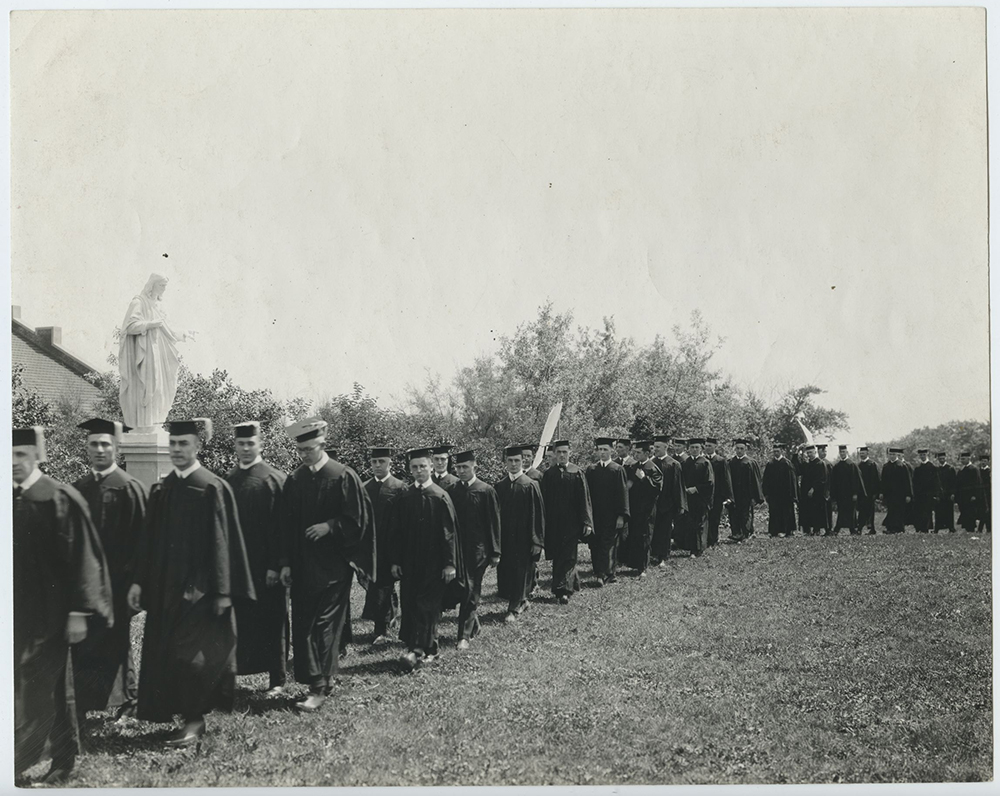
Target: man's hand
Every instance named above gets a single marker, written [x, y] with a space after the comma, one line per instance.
[810, 493]
[854, 498]
[587, 531]
[271, 578]
[317, 531]
[448, 574]
[134, 597]
[691, 490]
[221, 604]
[286, 576]
[619, 523]
[908, 499]
[76, 628]
[396, 571]
[640, 473]
[494, 560]
[727, 502]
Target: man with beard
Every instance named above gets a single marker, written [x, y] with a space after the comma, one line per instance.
[814, 486]
[781, 492]
[425, 558]
[747, 491]
[522, 533]
[190, 566]
[944, 510]
[968, 492]
[441, 459]
[328, 535]
[569, 519]
[846, 489]
[987, 502]
[381, 600]
[609, 499]
[644, 481]
[60, 581]
[261, 626]
[897, 491]
[103, 672]
[872, 480]
[699, 483]
[723, 494]
[926, 491]
[671, 503]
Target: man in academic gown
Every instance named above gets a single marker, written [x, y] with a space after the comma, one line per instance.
[623, 452]
[691, 533]
[103, 672]
[897, 491]
[968, 492]
[61, 587]
[381, 600]
[944, 509]
[671, 503]
[569, 519]
[609, 499]
[747, 491]
[529, 456]
[522, 528]
[328, 535]
[190, 567]
[846, 490]
[723, 494]
[872, 480]
[926, 491]
[424, 553]
[440, 460]
[262, 625]
[644, 481]
[986, 516]
[821, 451]
[781, 491]
[813, 489]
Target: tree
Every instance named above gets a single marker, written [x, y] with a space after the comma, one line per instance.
[821, 421]
[952, 438]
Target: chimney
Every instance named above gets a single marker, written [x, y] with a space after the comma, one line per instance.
[51, 335]
[15, 312]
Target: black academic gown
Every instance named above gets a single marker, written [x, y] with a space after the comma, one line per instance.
[829, 500]
[926, 491]
[969, 496]
[568, 511]
[872, 480]
[445, 481]
[697, 473]
[522, 527]
[478, 528]
[897, 486]
[58, 567]
[747, 493]
[813, 474]
[780, 488]
[987, 503]
[671, 503]
[723, 492]
[642, 496]
[609, 500]
[381, 600]
[944, 509]
[423, 541]
[190, 553]
[323, 569]
[846, 489]
[261, 625]
[103, 672]
[533, 474]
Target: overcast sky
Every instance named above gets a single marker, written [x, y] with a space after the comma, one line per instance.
[360, 196]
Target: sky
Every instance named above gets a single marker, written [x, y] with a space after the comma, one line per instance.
[358, 196]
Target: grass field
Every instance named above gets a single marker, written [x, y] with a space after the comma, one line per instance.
[844, 659]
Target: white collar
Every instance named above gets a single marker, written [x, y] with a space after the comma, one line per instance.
[31, 480]
[383, 480]
[514, 476]
[471, 481]
[605, 464]
[185, 473]
[424, 485]
[258, 460]
[322, 461]
[103, 473]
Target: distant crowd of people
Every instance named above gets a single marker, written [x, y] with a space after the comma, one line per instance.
[233, 571]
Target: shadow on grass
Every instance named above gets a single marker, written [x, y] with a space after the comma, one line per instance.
[384, 666]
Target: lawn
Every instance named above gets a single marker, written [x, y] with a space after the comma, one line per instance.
[845, 659]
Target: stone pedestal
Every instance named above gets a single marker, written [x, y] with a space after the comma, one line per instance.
[147, 455]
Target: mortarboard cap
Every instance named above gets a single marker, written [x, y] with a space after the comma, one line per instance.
[644, 444]
[529, 446]
[35, 435]
[778, 446]
[984, 457]
[863, 449]
[696, 441]
[809, 447]
[306, 429]
[513, 450]
[604, 440]
[418, 453]
[679, 441]
[745, 442]
[661, 438]
[379, 453]
[441, 449]
[923, 450]
[559, 443]
[98, 425]
[251, 428]
[464, 456]
[623, 441]
[821, 446]
[941, 453]
[895, 450]
[842, 447]
[712, 440]
[963, 453]
[197, 426]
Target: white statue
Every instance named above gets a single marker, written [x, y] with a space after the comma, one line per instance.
[148, 359]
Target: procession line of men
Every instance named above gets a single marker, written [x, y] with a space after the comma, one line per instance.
[213, 561]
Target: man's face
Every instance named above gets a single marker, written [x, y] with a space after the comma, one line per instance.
[695, 449]
[466, 471]
[247, 449]
[562, 454]
[550, 457]
[310, 451]
[529, 457]
[659, 449]
[515, 464]
[842, 454]
[963, 460]
[942, 459]
[184, 450]
[641, 454]
[380, 466]
[822, 453]
[604, 453]
[420, 469]
[101, 451]
[984, 463]
[741, 449]
[776, 453]
[622, 449]
[863, 455]
[24, 460]
[440, 463]
[922, 457]
[811, 454]
[709, 448]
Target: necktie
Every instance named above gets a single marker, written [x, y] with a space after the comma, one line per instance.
[17, 491]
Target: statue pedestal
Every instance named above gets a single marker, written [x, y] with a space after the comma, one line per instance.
[147, 455]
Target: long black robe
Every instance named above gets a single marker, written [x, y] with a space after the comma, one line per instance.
[813, 474]
[191, 552]
[969, 496]
[58, 567]
[567, 512]
[642, 495]
[670, 505]
[944, 509]
[478, 514]
[522, 532]
[926, 491]
[872, 480]
[609, 501]
[747, 493]
[323, 570]
[381, 600]
[987, 516]
[423, 541]
[781, 492]
[533, 474]
[697, 473]
[897, 486]
[846, 489]
[103, 672]
[723, 492]
[445, 480]
[829, 500]
[261, 625]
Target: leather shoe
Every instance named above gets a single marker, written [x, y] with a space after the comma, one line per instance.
[311, 703]
[509, 619]
[380, 641]
[275, 690]
[463, 644]
[186, 736]
[599, 583]
[408, 661]
[564, 599]
[54, 777]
